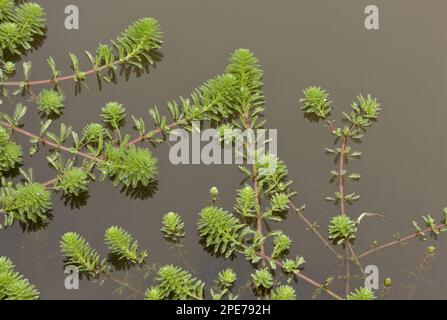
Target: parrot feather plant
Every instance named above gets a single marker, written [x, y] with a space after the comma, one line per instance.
[233, 100]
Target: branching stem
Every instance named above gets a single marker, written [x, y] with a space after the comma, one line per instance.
[400, 240]
[71, 76]
[314, 229]
[259, 228]
[304, 277]
[47, 142]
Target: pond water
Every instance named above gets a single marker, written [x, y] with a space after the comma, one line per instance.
[299, 43]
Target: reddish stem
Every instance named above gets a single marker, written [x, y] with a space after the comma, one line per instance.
[303, 277]
[392, 243]
[58, 79]
[47, 142]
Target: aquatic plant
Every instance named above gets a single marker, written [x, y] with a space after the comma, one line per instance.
[20, 25]
[361, 294]
[13, 286]
[173, 227]
[104, 150]
[80, 254]
[120, 243]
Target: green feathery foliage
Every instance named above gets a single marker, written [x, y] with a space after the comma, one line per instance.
[6, 7]
[130, 166]
[11, 156]
[153, 293]
[226, 133]
[50, 102]
[281, 245]
[275, 185]
[262, 279]
[238, 92]
[28, 202]
[279, 202]
[211, 101]
[73, 181]
[121, 243]
[273, 175]
[20, 25]
[293, 265]
[80, 254]
[226, 278]
[316, 104]
[93, 133]
[13, 286]
[224, 283]
[134, 47]
[361, 294]
[283, 292]
[342, 228]
[244, 66]
[220, 231]
[246, 202]
[365, 111]
[10, 153]
[173, 227]
[138, 40]
[175, 284]
[4, 136]
[9, 68]
[5, 264]
[113, 114]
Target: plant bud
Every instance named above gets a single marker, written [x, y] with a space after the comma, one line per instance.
[214, 192]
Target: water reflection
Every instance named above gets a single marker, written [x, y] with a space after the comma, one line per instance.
[75, 201]
[35, 44]
[37, 226]
[141, 192]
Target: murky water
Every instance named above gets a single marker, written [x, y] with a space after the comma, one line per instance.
[299, 43]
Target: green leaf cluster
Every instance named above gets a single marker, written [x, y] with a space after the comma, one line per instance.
[283, 292]
[237, 92]
[365, 112]
[20, 25]
[262, 279]
[281, 245]
[10, 152]
[316, 103]
[293, 265]
[173, 227]
[113, 114]
[226, 278]
[136, 42]
[245, 67]
[246, 202]
[220, 231]
[131, 166]
[50, 102]
[175, 283]
[93, 133]
[79, 253]
[361, 294]
[211, 101]
[28, 202]
[342, 228]
[73, 181]
[121, 243]
[13, 286]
